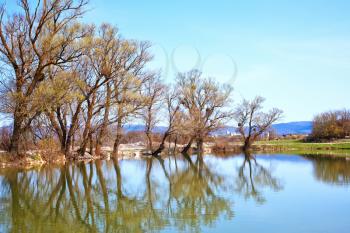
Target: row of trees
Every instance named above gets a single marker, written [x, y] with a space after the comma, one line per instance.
[74, 82]
[331, 125]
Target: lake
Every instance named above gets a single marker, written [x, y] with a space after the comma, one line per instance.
[261, 193]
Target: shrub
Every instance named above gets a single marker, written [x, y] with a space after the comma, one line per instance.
[48, 145]
[331, 125]
[5, 138]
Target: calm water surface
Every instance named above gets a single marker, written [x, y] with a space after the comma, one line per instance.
[264, 193]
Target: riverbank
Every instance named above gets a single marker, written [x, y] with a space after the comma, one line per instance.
[136, 151]
[295, 146]
[37, 158]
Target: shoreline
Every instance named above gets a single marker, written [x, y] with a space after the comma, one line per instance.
[34, 159]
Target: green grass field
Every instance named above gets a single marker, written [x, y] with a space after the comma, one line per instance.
[341, 147]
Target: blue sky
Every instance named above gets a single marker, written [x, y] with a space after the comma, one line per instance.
[294, 53]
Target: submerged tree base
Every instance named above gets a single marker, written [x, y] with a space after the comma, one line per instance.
[24, 162]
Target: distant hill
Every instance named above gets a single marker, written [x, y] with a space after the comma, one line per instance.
[138, 128]
[299, 127]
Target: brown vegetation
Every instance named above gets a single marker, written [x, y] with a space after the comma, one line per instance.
[223, 145]
[5, 139]
[331, 125]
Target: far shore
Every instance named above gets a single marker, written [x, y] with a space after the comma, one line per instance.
[37, 158]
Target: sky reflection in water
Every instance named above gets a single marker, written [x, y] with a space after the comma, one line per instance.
[264, 193]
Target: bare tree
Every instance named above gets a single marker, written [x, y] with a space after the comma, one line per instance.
[104, 58]
[128, 100]
[204, 103]
[66, 117]
[174, 117]
[154, 95]
[252, 122]
[41, 36]
[105, 121]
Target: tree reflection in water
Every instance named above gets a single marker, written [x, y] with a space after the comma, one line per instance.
[96, 197]
[252, 177]
[331, 170]
[194, 192]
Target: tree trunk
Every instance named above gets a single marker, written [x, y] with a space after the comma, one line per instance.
[70, 140]
[91, 144]
[247, 144]
[63, 146]
[98, 146]
[187, 147]
[175, 144]
[73, 142]
[59, 127]
[117, 138]
[17, 131]
[15, 138]
[116, 147]
[149, 138]
[148, 130]
[161, 146]
[169, 144]
[18, 118]
[101, 136]
[87, 128]
[200, 145]
[68, 148]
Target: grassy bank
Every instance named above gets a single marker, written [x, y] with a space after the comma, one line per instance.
[341, 147]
